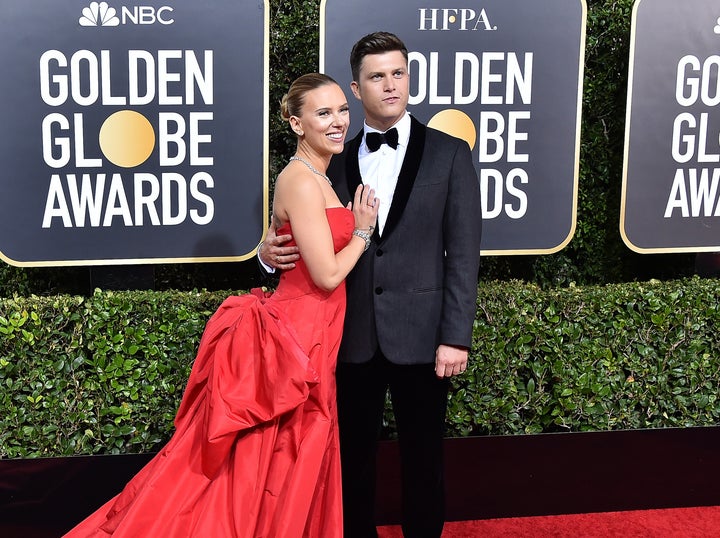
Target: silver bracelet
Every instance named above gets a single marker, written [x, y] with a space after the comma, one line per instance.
[362, 234]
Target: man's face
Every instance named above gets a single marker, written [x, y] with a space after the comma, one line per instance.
[383, 87]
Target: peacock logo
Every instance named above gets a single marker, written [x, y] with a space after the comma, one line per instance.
[99, 14]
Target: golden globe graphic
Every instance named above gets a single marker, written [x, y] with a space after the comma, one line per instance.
[139, 132]
[455, 123]
[127, 138]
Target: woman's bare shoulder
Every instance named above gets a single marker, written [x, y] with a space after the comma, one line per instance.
[294, 187]
[297, 183]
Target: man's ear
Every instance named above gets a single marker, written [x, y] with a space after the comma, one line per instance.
[355, 87]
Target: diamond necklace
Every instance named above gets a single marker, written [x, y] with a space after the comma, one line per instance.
[311, 167]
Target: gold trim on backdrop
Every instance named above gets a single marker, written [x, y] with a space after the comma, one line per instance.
[626, 148]
[127, 261]
[266, 129]
[321, 32]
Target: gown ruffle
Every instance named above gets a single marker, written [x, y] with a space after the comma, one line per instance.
[255, 451]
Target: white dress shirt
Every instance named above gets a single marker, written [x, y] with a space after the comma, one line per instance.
[380, 169]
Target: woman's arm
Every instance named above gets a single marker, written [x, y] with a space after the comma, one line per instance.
[299, 199]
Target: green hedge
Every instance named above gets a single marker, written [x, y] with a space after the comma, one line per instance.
[105, 374]
[624, 356]
[93, 375]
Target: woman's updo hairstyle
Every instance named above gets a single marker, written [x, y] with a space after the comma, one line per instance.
[292, 102]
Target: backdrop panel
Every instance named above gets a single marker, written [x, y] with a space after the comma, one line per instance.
[132, 133]
[506, 76]
[670, 199]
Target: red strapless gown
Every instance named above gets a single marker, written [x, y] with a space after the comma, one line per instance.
[255, 452]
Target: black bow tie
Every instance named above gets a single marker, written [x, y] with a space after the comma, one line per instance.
[375, 140]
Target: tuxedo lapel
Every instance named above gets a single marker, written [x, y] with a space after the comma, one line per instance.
[408, 173]
[352, 165]
[406, 179]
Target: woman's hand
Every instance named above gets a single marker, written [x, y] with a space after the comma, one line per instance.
[365, 208]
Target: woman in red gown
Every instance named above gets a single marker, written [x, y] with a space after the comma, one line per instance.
[255, 449]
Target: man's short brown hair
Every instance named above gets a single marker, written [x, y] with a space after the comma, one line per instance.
[375, 43]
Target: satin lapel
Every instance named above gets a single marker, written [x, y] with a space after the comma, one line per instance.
[352, 165]
[408, 173]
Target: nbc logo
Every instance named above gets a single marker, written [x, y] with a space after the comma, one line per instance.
[99, 14]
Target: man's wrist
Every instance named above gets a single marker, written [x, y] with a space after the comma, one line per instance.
[268, 269]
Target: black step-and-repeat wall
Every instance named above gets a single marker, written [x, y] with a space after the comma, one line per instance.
[137, 133]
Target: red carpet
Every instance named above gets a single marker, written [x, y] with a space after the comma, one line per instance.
[672, 523]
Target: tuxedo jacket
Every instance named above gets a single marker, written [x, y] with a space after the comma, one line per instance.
[416, 285]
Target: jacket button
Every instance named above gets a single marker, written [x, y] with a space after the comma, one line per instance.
[378, 290]
[378, 252]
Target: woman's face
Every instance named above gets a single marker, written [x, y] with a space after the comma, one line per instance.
[324, 120]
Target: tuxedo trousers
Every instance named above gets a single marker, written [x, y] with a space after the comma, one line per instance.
[419, 402]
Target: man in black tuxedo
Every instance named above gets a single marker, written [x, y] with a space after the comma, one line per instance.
[411, 297]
